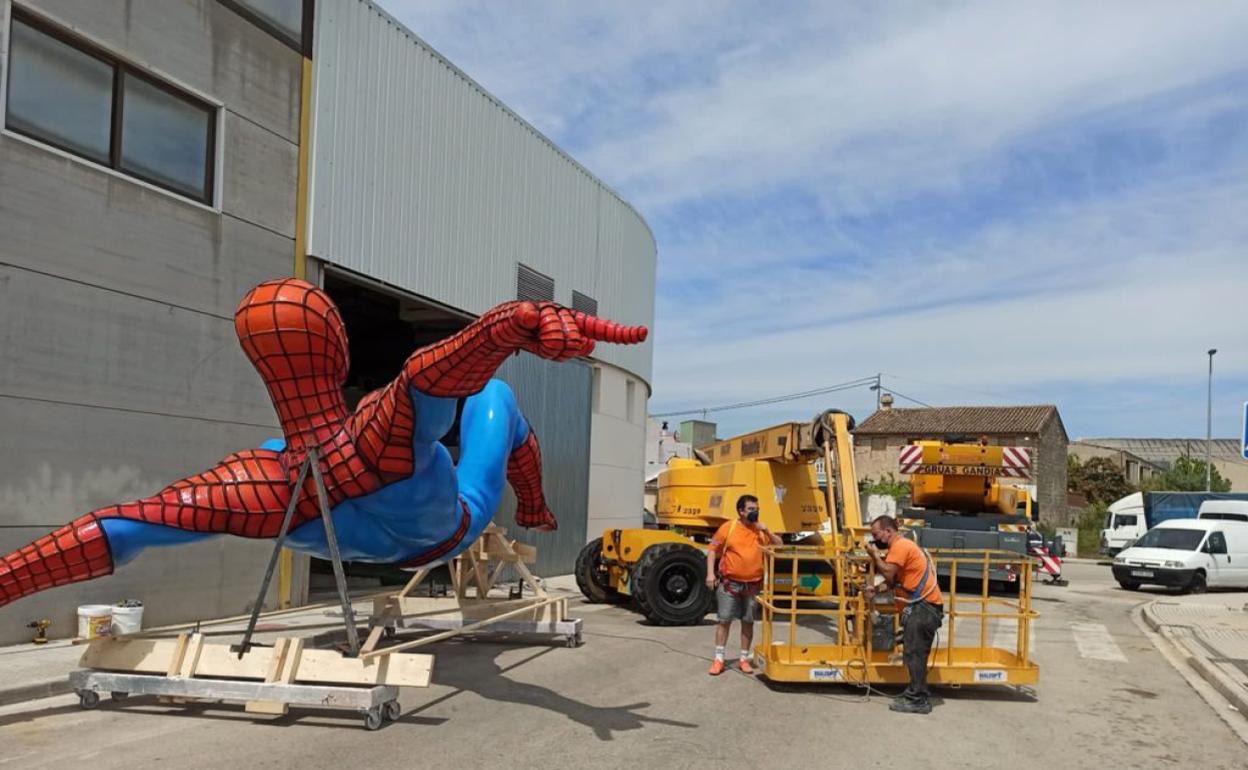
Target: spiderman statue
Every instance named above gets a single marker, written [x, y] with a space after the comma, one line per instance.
[394, 494]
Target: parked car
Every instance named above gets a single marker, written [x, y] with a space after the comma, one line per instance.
[1188, 554]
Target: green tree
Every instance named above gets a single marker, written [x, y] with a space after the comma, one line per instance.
[1090, 522]
[888, 484]
[1098, 479]
[1186, 474]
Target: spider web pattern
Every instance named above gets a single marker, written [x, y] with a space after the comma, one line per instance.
[294, 336]
[76, 551]
[524, 473]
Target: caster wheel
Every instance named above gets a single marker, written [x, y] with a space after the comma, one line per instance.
[372, 719]
[389, 632]
[88, 699]
[391, 710]
[115, 695]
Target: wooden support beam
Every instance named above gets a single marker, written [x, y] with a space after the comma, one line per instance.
[287, 654]
[529, 607]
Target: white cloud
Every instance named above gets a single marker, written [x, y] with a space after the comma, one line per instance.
[758, 138]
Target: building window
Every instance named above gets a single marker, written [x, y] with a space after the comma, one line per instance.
[77, 98]
[533, 286]
[584, 303]
[79, 118]
[284, 19]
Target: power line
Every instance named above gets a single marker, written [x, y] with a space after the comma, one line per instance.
[858, 383]
[903, 395]
[948, 385]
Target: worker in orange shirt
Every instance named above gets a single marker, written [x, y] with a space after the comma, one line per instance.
[910, 573]
[736, 546]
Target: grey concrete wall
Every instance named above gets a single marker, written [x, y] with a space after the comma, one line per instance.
[119, 368]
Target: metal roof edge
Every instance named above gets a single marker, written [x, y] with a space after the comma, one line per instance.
[418, 40]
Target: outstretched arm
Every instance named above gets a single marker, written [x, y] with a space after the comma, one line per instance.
[463, 363]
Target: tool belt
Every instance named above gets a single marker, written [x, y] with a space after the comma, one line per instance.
[740, 589]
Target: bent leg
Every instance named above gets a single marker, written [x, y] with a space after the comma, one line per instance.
[496, 447]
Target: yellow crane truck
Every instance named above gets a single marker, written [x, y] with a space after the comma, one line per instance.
[663, 570]
[962, 496]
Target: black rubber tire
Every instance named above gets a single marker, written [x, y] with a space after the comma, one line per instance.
[591, 580]
[88, 699]
[373, 719]
[669, 584]
[1197, 585]
[1129, 585]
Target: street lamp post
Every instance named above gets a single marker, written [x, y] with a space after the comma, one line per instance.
[1209, 427]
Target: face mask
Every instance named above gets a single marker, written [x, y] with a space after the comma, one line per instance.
[879, 543]
[752, 517]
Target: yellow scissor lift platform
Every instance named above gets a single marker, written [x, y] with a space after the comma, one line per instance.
[817, 639]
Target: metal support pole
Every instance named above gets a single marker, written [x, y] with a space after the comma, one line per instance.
[331, 539]
[1209, 427]
[243, 647]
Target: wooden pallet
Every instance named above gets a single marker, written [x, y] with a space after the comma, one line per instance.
[267, 680]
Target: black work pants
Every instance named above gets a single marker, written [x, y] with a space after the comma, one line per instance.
[919, 622]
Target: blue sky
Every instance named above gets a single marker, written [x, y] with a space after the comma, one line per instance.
[989, 202]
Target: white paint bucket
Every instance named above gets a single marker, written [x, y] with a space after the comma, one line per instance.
[127, 620]
[94, 621]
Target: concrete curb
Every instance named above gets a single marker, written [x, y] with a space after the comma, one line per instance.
[1225, 686]
[37, 691]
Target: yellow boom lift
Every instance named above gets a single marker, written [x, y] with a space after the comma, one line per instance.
[663, 570]
[817, 625]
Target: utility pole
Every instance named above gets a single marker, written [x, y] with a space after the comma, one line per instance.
[1209, 427]
[879, 389]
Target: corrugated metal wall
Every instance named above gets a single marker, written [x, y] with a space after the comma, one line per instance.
[555, 398]
[422, 179]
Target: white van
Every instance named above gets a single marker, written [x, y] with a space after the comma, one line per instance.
[1124, 522]
[1224, 510]
[1188, 554]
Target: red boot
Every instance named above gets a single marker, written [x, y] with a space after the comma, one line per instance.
[524, 473]
[77, 551]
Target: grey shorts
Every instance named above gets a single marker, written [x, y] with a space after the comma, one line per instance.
[742, 607]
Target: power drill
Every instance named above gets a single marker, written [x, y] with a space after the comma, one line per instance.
[41, 630]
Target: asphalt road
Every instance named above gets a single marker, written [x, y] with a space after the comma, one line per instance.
[637, 695]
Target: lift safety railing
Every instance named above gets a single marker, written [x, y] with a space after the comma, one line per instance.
[853, 614]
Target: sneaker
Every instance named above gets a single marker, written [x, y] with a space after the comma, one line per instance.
[911, 706]
[717, 668]
[745, 666]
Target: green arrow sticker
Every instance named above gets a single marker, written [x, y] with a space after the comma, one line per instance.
[809, 582]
